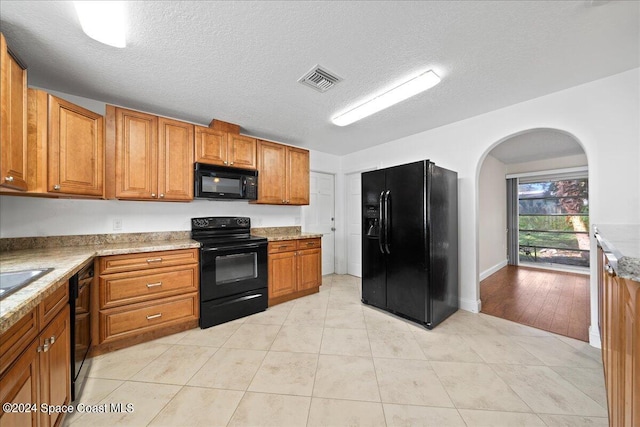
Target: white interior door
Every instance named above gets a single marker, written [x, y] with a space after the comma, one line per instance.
[319, 216]
[354, 218]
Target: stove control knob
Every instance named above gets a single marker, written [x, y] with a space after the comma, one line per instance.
[201, 222]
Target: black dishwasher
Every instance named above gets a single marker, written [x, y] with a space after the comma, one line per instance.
[79, 301]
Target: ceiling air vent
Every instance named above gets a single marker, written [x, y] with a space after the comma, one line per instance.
[319, 79]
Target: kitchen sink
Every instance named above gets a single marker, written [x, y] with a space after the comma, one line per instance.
[11, 281]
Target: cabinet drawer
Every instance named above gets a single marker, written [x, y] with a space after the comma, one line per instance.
[308, 243]
[147, 260]
[17, 338]
[123, 288]
[134, 319]
[53, 304]
[282, 246]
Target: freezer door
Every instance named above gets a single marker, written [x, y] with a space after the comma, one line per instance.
[407, 269]
[373, 260]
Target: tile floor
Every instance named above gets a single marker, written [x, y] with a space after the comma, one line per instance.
[328, 360]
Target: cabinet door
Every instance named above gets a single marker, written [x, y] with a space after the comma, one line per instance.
[271, 173]
[309, 269]
[175, 160]
[76, 149]
[282, 274]
[55, 366]
[297, 176]
[211, 146]
[242, 151]
[20, 385]
[13, 139]
[136, 155]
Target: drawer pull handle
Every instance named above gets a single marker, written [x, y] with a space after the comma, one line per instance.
[310, 244]
[283, 246]
[153, 285]
[150, 260]
[154, 316]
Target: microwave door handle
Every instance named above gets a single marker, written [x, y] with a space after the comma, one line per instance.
[244, 186]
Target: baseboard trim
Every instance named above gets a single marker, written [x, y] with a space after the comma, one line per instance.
[473, 306]
[594, 337]
[488, 272]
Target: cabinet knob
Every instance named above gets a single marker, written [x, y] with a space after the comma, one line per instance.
[153, 195]
[610, 270]
[9, 178]
[56, 187]
[226, 163]
[162, 195]
[231, 163]
[284, 201]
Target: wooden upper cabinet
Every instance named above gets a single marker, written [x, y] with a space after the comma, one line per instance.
[298, 176]
[217, 147]
[76, 149]
[13, 128]
[211, 146]
[242, 151]
[136, 155]
[150, 157]
[283, 174]
[175, 160]
[272, 160]
[65, 148]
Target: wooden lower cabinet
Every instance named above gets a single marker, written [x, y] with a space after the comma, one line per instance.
[55, 367]
[144, 296]
[41, 374]
[620, 337]
[295, 269]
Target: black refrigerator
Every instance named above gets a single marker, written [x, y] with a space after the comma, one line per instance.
[410, 241]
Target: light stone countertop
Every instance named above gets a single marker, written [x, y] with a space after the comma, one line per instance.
[66, 261]
[275, 234]
[621, 243]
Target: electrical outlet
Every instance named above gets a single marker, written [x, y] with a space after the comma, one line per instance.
[117, 224]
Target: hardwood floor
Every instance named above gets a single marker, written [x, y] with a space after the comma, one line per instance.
[555, 301]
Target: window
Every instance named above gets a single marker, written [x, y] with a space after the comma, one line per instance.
[553, 221]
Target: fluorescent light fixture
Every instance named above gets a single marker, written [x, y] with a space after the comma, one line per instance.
[406, 90]
[103, 21]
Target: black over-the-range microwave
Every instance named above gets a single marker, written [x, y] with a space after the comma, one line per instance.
[220, 182]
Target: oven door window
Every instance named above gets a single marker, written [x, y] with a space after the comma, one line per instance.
[236, 267]
[221, 185]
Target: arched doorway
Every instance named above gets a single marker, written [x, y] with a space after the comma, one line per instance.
[536, 273]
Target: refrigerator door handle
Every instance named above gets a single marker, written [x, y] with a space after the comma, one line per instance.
[381, 221]
[387, 225]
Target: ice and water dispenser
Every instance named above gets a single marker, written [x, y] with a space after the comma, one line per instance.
[372, 220]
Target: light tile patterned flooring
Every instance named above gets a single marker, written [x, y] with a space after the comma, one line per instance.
[327, 359]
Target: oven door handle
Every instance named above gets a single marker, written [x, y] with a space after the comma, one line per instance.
[225, 248]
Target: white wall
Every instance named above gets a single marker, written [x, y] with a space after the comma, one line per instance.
[492, 217]
[548, 164]
[604, 116]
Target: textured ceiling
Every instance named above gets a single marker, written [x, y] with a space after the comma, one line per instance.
[240, 61]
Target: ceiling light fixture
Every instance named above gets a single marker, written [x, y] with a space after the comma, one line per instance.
[103, 21]
[398, 94]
